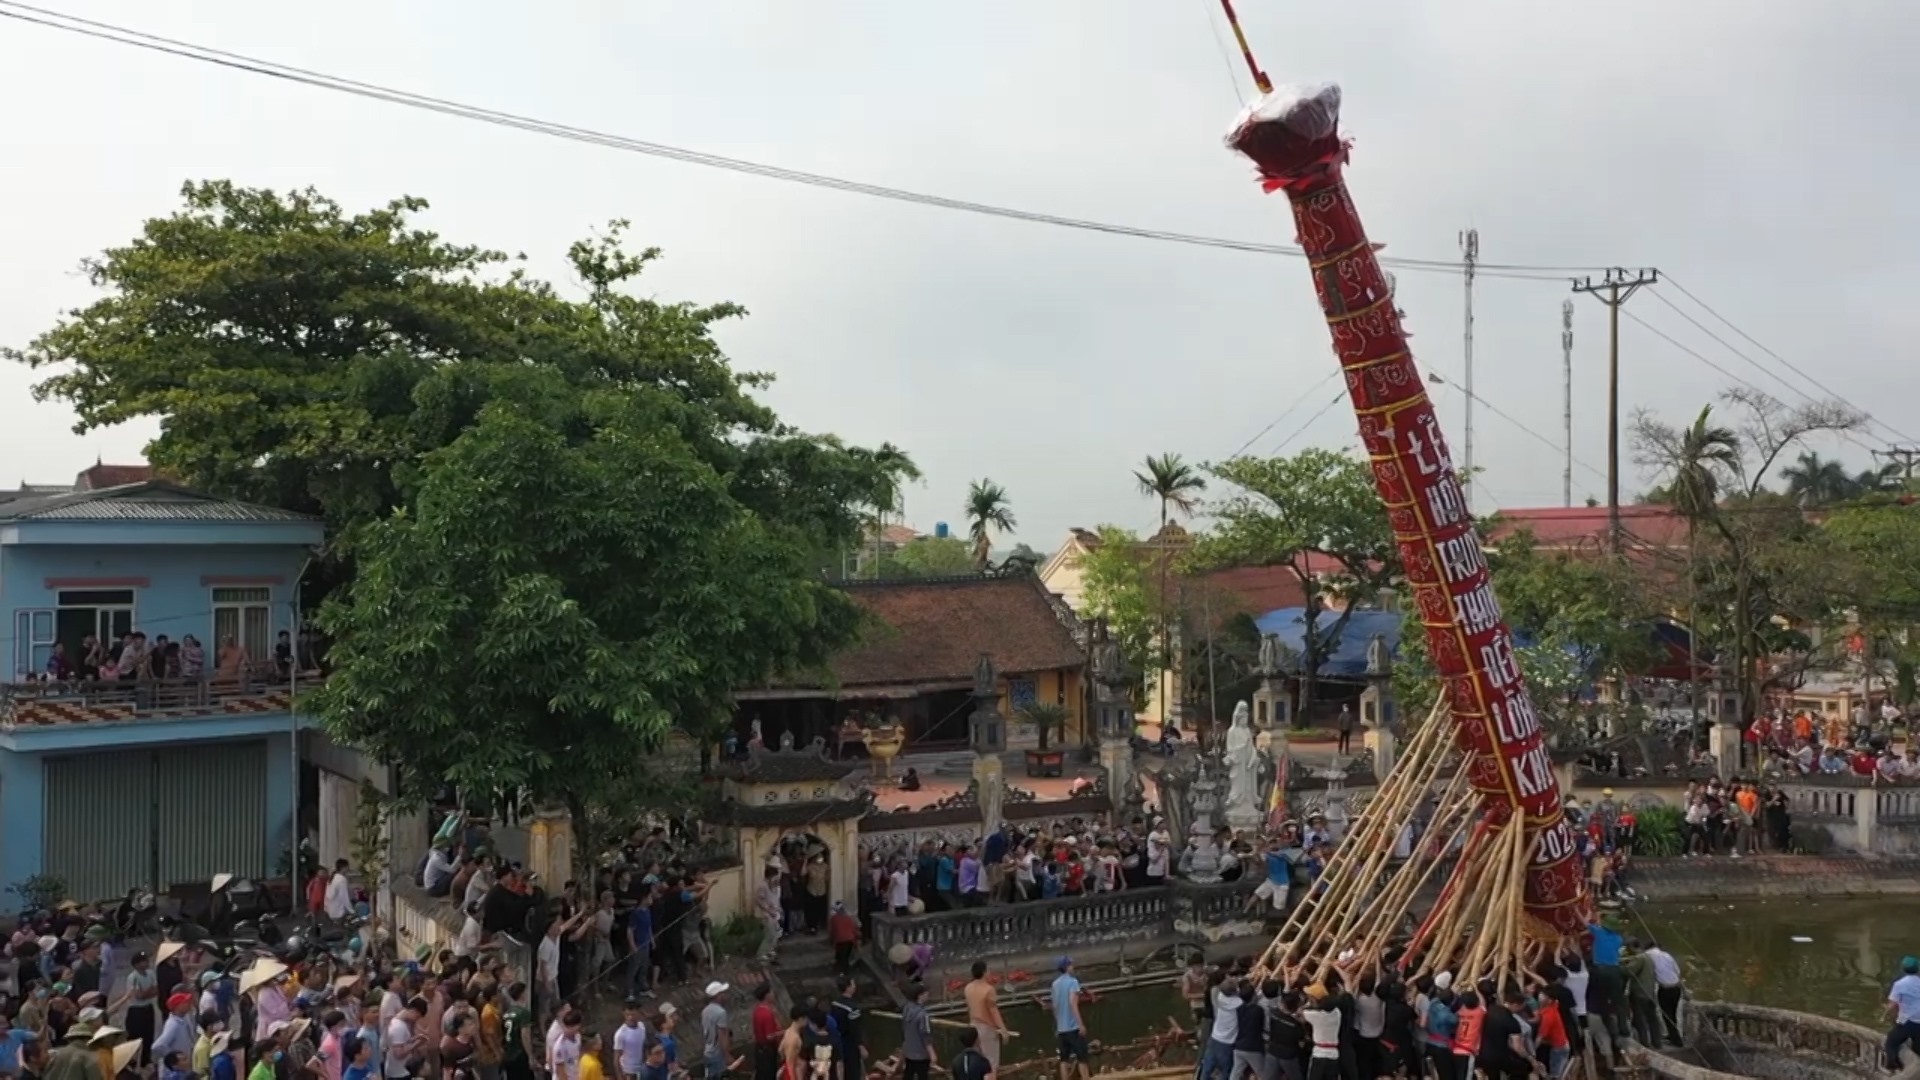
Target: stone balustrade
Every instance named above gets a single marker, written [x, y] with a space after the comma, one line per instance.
[1773, 1044]
[425, 922]
[1143, 917]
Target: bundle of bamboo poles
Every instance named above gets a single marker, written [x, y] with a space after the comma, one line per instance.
[1362, 901]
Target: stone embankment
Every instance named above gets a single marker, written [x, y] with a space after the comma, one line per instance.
[1766, 876]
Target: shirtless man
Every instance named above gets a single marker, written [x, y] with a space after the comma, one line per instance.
[793, 1043]
[983, 1012]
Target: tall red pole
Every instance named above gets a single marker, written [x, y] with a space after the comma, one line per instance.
[1294, 138]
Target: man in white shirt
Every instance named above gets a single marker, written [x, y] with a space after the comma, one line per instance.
[339, 901]
[1903, 1005]
[471, 933]
[564, 1060]
[630, 1042]
[547, 961]
[1666, 974]
[766, 905]
[403, 1045]
[1323, 1025]
[897, 895]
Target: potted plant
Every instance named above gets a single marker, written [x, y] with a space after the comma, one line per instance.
[1045, 718]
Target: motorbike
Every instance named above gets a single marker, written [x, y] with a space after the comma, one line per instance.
[136, 915]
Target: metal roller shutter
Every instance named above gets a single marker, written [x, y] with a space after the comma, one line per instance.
[212, 811]
[99, 823]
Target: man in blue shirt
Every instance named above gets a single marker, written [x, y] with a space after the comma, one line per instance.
[1609, 983]
[1903, 1002]
[1068, 1023]
[640, 934]
[11, 1042]
[1279, 883]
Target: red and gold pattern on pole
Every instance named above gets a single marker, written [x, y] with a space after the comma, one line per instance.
[1293, 136]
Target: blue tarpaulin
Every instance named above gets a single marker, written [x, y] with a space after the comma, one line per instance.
[1348, 658]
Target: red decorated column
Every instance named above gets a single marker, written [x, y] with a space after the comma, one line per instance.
[1293, 137]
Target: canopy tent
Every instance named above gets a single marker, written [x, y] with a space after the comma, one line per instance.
[1348, 657]
[1673, 643]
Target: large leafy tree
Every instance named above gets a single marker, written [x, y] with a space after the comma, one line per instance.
[1120, 585]
[1318, 513]
[560, 523]
[1743, 560]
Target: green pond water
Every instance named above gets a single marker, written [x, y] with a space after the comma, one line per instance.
[1742, 951]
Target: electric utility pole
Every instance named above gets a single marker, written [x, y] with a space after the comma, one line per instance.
[1470, 255]
[1903, 456]
[1614, 288]
[1566, 400]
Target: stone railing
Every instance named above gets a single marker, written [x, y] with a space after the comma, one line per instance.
[37, 703]
[1811, 799]
[1898, 806]
[1770, 1043]
[426, 922]
[1052, 926]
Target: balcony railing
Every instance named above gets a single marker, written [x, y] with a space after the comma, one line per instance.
[43, 703]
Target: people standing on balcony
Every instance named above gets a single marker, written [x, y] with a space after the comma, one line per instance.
[193, 657]
[973, 878]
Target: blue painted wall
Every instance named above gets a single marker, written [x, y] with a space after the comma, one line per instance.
[175, 601]
[23, 798]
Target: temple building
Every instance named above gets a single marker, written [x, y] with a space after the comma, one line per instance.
[914, 665]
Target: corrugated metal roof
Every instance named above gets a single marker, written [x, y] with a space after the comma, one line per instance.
[150, 501]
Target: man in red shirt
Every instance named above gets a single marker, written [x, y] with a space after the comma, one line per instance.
[767, 1030]
[843, 933]
[1552, 1034]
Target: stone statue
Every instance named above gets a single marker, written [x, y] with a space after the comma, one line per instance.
[1270, 655]
[1378, 661]
[1107, 665]
[1243, 772]
[985, 678]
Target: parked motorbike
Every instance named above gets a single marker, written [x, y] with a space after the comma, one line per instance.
[136, 915]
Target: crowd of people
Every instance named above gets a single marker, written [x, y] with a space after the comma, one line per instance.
[1368, 1022]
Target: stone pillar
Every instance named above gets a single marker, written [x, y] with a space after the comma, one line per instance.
[1271, 706]
[1866, 817]
[1386, 750]
[986, 728]
[1116, 757]
[1724, 743]
[550, 847]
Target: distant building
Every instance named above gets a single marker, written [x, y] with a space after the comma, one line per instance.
[152, 777]
[914, 665]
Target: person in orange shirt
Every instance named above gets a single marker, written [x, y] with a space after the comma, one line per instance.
[1802, 727]
[1747, 837]
[1466, 1038]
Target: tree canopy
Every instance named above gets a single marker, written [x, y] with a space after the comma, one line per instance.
[561, 523]
[1319, 513]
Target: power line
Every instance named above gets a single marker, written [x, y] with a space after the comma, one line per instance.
[1290, 410]
[1783, 361]
[120, 35]
[1669, 339]
[1297, 432]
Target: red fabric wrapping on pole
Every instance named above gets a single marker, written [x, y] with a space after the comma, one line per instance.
[1293, 136]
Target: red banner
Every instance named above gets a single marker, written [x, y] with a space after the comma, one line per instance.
[1294, 141]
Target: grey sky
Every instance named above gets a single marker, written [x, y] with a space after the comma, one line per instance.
[1749, 148]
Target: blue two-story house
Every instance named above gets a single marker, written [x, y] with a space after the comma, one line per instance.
[161, 772]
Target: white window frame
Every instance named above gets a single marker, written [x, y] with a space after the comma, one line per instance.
[216, 605]
[28, 659]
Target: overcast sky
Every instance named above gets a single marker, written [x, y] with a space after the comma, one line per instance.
[1750, 149]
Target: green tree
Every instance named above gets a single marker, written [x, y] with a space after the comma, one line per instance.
[1318, 513]
[1172, 482]
[930, 556]
[988, 512]
[896, 471]
[1813, 480]
[1119, 584]
[1716, 478]
[560, 522]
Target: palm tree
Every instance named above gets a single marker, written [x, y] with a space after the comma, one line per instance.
[1705, 453]
[1886, 478]
[1171, 480]
[987, 511]
[896, 470]
[1815, 481]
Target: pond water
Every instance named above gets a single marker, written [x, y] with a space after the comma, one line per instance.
[1742, 951]
[1746, 950]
